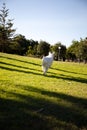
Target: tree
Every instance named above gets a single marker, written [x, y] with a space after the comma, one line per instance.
[6, 31]
[32, 48]
[56, 50]
[60, 51]
[83, 50]
[43, 48]
[22, 44]
[72, 51]
[63, 52]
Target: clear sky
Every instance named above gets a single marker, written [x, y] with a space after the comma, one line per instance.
[49, 20]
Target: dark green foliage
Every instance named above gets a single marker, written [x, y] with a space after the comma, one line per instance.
[32, 48]
[77, 51]
[71, 51]
[6, 31]
[83, 50]
[43, 48]
[21, 43]
[60, 51]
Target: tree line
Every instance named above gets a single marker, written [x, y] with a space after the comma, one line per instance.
[18, 44]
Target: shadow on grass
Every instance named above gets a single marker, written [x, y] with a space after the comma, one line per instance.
[77, 100]
[32, 71]
[14, 59]
[17, 66]
[26, 112]
[36, 72]
[69, 78]
[68, 71]
[22, 71]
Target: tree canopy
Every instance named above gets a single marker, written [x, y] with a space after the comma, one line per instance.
[6, 31]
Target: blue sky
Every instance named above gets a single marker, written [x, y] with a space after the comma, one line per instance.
[49, 20]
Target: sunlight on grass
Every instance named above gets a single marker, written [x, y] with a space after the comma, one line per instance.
[57, 100]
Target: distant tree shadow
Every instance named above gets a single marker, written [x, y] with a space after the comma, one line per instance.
[77, 100]
[21, 71]
[69, 78]
[20, 60]
[68, 71]
[17, 66]
[52, 75]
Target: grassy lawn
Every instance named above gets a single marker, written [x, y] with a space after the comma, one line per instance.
[31, 101]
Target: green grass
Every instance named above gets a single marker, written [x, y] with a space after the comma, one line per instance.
[31, 101]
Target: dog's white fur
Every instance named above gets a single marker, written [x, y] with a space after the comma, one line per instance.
[47, 62]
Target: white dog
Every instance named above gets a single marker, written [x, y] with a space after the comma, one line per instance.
[47, 62]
